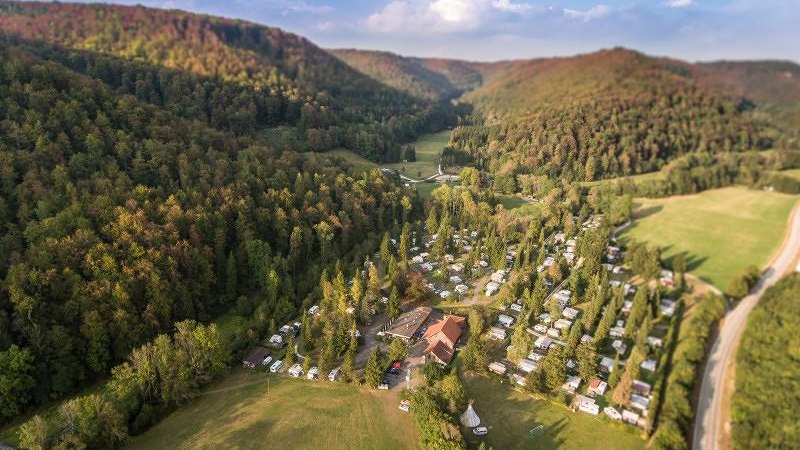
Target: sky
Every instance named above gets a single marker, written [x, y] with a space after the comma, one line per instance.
[490, 30]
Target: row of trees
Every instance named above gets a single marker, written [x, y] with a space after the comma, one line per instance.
[676, 417]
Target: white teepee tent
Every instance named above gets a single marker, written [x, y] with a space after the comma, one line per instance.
[470, 419]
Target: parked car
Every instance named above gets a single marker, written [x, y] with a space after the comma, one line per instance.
[383, 386]
[397, 365]
[394, 371]
[404, 408]
[480, 431]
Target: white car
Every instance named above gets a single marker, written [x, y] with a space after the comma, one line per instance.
[480, 431]
[383, 386]
[404, 408]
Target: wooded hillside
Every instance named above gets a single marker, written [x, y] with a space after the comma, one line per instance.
[244, 77]
[601, 115]
[119, 219]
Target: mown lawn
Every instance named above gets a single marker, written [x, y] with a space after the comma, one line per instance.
[510, 415]
[242, 413]
[721, 231]
[428, 148]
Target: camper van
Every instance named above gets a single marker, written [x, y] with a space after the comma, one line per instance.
[276, 366]
[334, 375]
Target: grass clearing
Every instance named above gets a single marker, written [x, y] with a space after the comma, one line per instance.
[634, 178]
[510, 415]
[241, 413]
[428, 148]
[721, 231]
[517, 205]
[794, 173]
[352, 157]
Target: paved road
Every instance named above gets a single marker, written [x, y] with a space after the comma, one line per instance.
[709, 421]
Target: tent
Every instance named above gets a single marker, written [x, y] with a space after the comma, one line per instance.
[469, 419]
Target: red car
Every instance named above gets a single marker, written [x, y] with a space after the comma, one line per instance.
[397, 365]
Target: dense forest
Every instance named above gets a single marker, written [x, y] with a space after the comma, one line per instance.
[765, 413]
[772, 85]
[235, 75]
[603, 115]
[434, 79]
[120, 219]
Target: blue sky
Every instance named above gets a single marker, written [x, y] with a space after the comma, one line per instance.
[489, 30]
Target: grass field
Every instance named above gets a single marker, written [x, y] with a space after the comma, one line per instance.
[428, 149]
[518, 205]
[721, 231]
[291, 414]
[510, 415]
[794, 173]
[352, 158]
[634, 178]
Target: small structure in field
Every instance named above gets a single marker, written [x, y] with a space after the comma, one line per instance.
[470, 418]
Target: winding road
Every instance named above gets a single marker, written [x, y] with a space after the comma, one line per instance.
[709, 420]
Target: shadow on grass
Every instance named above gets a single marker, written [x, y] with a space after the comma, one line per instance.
[641, 213]
[692, 261]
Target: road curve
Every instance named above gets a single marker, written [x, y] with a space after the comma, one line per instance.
[708, 420]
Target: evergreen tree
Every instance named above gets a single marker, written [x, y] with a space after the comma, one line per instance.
[393, 306]
[373, 372]
[290, 351]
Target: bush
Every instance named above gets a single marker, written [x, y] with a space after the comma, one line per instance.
[741, 285]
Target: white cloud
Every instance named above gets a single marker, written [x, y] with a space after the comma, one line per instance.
[595, 12]
[441, 16]
[679, 3]
[303, 7]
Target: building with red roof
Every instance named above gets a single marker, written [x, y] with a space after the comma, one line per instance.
[442, 338]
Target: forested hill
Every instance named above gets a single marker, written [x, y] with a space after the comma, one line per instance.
[119, 218]
[236, 75]
[771, 85]
[600, 115]
[423, 78]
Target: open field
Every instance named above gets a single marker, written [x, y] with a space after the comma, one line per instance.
[794, 173]
[242, 413]
[722, 231]
[352, 157]
[634, 178]
[510, 415]
[428, 149]
[518, 205]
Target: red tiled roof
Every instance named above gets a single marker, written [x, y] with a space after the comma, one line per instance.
[450, 326]
[441, 351]
[594, 383]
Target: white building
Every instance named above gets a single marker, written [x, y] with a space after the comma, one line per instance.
[570, 313]
[527, 366]
[296, 371]
[492, 288]
[497, 333]
[505, 320]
